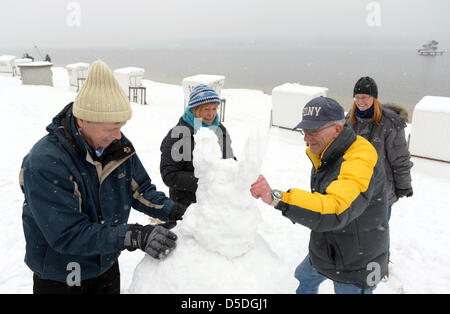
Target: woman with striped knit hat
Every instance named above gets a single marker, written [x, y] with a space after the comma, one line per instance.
[177, 170]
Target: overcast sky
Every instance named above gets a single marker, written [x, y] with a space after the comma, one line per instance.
[144, 23]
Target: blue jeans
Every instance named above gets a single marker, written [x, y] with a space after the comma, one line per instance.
[310, 281]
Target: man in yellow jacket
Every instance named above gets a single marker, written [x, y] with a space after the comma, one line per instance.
[346, 208]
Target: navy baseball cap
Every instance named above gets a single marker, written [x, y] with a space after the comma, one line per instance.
[318, 111]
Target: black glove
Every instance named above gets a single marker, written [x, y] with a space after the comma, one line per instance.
[404, 192]
[156, 241]
[177, 212]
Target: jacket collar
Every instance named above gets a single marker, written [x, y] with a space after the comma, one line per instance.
[197, 123]
[334, 150]
[64, 128]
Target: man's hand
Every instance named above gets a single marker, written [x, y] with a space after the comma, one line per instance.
[156, 241]
[261, 189]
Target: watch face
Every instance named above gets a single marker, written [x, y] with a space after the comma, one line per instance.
[277, 194]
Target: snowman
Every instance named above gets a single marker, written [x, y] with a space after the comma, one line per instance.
[219, 249]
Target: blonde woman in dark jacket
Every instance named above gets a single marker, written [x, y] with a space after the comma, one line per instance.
[177, 169]
[385, 130]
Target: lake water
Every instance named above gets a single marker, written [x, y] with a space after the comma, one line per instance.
[403, 77]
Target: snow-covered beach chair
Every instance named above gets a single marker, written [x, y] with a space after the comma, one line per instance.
[288, 101]
[78, 73]
[17, 62]
[431, 128]
[6, 64]
[130, 80]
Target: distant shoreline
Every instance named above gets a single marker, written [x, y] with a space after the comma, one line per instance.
[403, 77]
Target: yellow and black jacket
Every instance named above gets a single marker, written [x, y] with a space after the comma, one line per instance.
[346, 211]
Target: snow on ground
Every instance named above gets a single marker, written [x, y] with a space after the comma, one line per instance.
[419, 225]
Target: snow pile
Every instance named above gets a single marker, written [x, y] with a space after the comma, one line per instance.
[219, 249]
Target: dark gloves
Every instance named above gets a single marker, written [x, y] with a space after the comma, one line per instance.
[404, 192]
[156, 241]
[177, 212]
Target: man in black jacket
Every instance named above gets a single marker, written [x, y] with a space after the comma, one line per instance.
[346, 208]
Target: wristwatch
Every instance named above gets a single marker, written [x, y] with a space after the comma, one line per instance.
[277, 196]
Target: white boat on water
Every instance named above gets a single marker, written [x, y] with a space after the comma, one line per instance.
[430, 49]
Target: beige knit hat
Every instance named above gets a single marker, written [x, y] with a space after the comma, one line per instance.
[101, 99]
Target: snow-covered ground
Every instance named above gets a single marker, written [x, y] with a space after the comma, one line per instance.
[419, 225]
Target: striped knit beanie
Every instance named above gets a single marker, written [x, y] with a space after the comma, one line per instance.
[101, 99]
[202, 94]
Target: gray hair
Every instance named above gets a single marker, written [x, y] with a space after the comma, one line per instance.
[340, 122]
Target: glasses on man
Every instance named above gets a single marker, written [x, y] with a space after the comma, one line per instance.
[363, 98]
[316, 131]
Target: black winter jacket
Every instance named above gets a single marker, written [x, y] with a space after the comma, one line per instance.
[177, 170]
[346, 212]
[388, 138]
